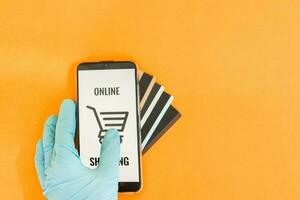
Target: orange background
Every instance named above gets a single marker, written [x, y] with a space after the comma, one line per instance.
[233, 67]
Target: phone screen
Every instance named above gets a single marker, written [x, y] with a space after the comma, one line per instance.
[107, 98]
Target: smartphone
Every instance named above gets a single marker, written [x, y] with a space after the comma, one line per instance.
[108, 97]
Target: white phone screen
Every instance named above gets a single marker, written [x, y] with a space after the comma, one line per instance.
[108, 99]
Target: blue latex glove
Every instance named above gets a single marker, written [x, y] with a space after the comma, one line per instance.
[60, 171]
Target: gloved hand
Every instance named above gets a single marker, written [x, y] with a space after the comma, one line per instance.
[60, 171]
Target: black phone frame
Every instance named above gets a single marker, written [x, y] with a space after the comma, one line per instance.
[111, 65]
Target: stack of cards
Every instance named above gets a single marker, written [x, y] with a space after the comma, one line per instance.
[157, 113]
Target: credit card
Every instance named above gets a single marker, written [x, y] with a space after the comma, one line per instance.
[146, 83]
[161, 122]
[155, 116]
[169, 118]
[150, 103]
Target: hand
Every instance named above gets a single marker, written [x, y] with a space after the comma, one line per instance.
[62, 175]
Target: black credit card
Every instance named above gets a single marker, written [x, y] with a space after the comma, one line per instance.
[157, 113]
[169, 118]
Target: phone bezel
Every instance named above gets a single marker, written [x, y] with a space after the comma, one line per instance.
[111, 65]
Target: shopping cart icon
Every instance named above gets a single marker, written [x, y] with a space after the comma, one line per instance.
[107, 120]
